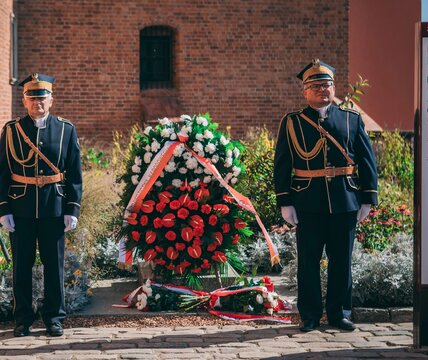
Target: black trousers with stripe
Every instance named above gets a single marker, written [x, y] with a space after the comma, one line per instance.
[335, 232]
[48, 236]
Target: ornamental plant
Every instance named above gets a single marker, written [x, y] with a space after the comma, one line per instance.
[187, 223]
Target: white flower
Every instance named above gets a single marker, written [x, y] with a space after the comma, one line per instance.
[134, 179]
[270, 298]
[185, 117]
[155, 146]
[148, 290]
[229, 153]
[236, 152]
[228, 177]
[192, 163]
[158, 183]
[147, 157]
[198, 147]
[148, 148]
[187, 155]
[182, 170]
[199, 137]
[162, 174]
[195, 183]
[178, 150]
[199, 170]
[170, 167]
[185, 130]
[202, 121]
[137, 161]
[207, 179]
[215, 159]
[228, 162]
[233, 181]
[269, 311]
[136, 169]
[165, 133]
[173, 136]
[223, 140]
[236, 170]
[208, 134]
[157, 297]
[274, 303]
[142, 303]
[207, 171]
[259, 299]
[164, 121]
[210, 148]
[147, 130]
[176, 183]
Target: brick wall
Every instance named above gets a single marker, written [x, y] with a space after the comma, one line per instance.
[6, 8]
[235, 59]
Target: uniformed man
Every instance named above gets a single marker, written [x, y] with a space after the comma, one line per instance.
[40, 192]
[326, 179]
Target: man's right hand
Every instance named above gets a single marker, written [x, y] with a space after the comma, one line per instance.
[289, 215]
[7, 222]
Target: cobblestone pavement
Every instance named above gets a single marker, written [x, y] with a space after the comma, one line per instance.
[369, 341]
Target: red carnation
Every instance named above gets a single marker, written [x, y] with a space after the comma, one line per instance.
[171, 235]
[180, 246]
[157, 223]
[226, 228]
[183, 213]
[184, 199]
[165, 197]
[194, 251]
[205, 264]
[196, 221]
[148, 206]
[150, 254]
[212, 220]
[199, 231]
[172, 253]
[221, 209]
[205, 209]
[211, 247]
[168, 220]
[174, 205]
[239, 224]
[180, 268]
[219, 256]
[135, 235]
[218, 236]
[150, 237]
[160, 206]
[144, 220]
[196, 270]
[193, 205]
[160, 262]
[187, 234]
[132, 219]
[159, 249]
[235, 239]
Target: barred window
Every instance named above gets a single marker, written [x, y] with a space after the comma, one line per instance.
[156, 47]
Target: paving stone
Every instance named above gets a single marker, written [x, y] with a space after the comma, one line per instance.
[55, 357]
[369, 344]
[358, 354]
[258, 355]
[391, 337]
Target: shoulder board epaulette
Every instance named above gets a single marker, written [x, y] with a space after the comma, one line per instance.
[292, 113]
[10, 122]
[65, 120]
[349, 109]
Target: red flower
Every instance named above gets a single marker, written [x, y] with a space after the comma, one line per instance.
[148, 206]
[211, 247]
[180, 246]
[150, 237]
[168, 220]
[200, 194]
[219, 256]
[226, 228]
[150, 254]
[144, 220]
[160, 206]
[221, 209]
[228, 198]
[199, 231]
[174, 205]
[157, 223]
[160, 262]
[164, 197]
[184, 199]
[135, 235]
[183, 213]
[187, 234]
[171, 235]
[185, 186]
[197, 241]
[170, 267]
[206, 209]
[218, 236]
[239, 224]
[196, 270]
[172, 253]
[159, 249]
[268, 283]
[193, 205]
[180, 268]
[132, 219]
[212, 220]
[194, 251]
[196, 221]
[235, 239]
[205, 264]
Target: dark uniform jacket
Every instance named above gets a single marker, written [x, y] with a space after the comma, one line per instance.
[324, 194]
[57, 140]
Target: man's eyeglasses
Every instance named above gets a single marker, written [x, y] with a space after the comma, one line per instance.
[38, 99]
[318, 87]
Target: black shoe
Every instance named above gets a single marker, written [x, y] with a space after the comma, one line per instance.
[55, 329]
[21, 330]
[309, 325]
[343, 324]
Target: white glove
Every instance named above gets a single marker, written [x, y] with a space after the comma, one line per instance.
[70, 222]
[289, 215]
[7, 222]
[363, 212]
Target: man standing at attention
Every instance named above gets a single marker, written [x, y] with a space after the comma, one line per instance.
[40, 193]
[326, 180]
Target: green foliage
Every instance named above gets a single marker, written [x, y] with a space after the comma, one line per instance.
[93, 159]
[355, 93]
[394, 157]
[257, 181]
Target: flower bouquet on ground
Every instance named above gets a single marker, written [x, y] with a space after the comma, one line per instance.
[248, 301]
[181, 211]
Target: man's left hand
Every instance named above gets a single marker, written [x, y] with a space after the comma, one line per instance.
[70, 222]
[363, 212]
